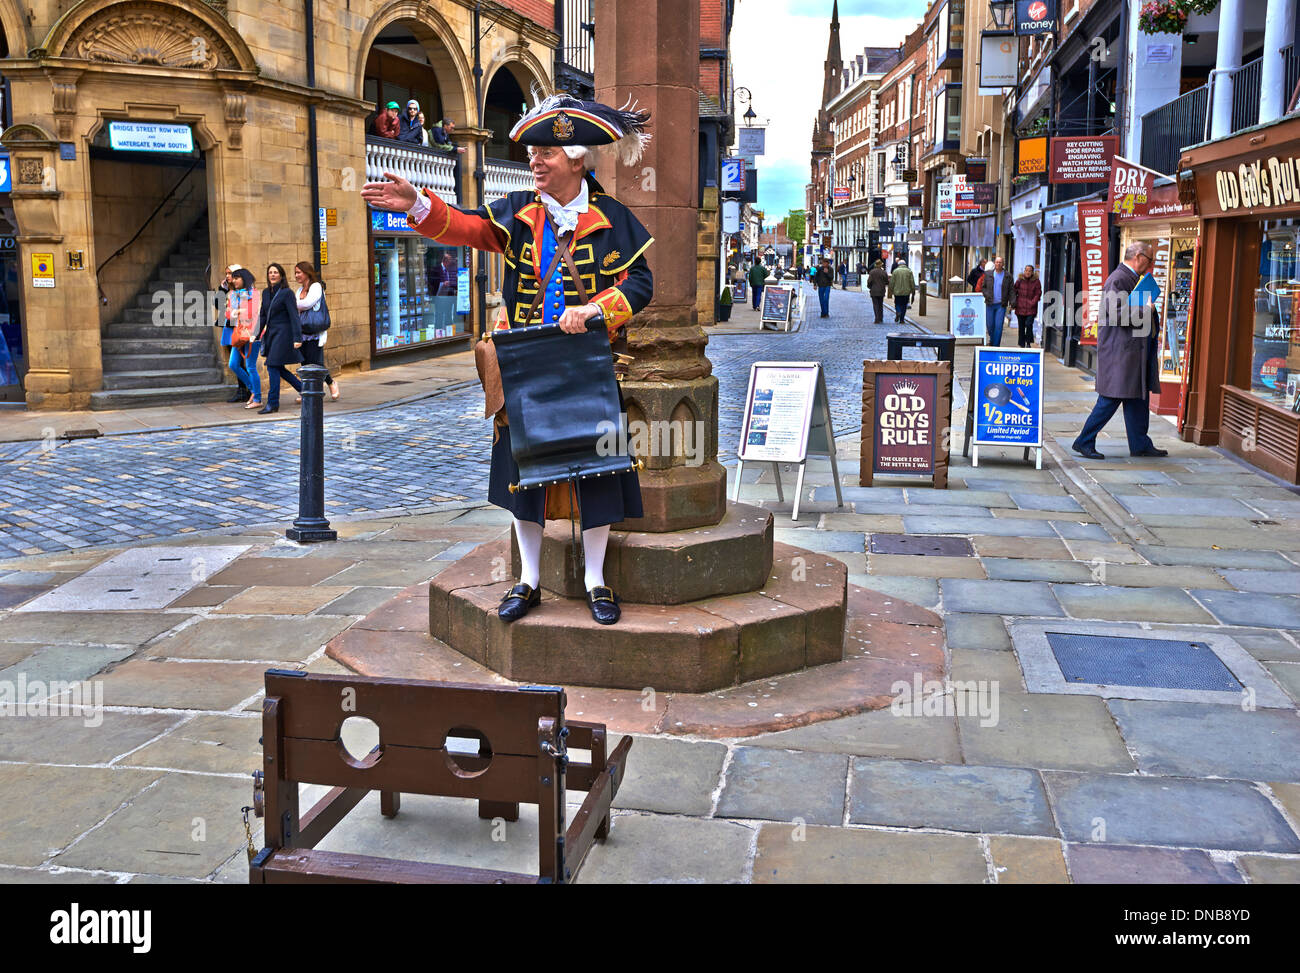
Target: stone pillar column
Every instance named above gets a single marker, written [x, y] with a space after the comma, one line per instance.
[649, 52]
[1228, 58]
[1279, 28]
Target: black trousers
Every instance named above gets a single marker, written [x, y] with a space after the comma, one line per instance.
[314, 354]
[878, 305]
[1026, 330]
[276, 374]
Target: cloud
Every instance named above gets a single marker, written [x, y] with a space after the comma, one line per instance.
[778, 49]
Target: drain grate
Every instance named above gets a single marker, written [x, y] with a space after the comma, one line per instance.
[933, 544]
[1108, 660]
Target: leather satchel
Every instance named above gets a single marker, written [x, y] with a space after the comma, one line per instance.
[485, 352]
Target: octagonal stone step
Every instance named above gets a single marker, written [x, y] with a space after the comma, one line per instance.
[793, 621]
[733, 556]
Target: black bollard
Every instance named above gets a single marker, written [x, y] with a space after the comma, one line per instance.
[311, 524]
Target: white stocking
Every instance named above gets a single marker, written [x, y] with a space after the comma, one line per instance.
[529, 536]
[594, 540]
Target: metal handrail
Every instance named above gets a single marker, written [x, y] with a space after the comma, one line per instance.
[1291, 78]
[1169, 128]
[1245, 94]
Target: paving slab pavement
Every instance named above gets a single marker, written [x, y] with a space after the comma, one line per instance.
[1183, 791]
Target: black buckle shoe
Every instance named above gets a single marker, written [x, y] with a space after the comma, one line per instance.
[1087, 453]
[604, 605]
[517, 601]
[1151, 451]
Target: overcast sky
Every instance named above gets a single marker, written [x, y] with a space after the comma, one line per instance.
[778, 48]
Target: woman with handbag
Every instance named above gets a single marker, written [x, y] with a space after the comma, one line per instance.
[242, 319]
[281, 336]
[314, 313]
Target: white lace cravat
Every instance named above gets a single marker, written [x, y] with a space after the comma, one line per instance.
[566, 216]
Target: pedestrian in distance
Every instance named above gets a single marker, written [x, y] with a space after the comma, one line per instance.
[280, 332]
[387, 125]
[996, 289]
[844, 276]
[1128, 367]
[242, 307]
[1028, 290]
[976, 273]
[824, 280]
[757, 276]
[314, 317]
[902, 284]
[877, 285]
[222, 321]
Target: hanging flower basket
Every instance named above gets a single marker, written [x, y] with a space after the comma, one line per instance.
[1164, 17]
[1200, 6]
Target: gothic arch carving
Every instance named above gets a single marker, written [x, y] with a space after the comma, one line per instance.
[177, 34]
[14, 26]
[442, 47]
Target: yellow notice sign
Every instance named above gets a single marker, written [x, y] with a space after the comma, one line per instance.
[42, 270]
[324, 252]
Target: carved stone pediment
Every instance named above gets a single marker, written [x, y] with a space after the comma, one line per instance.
[152, 34]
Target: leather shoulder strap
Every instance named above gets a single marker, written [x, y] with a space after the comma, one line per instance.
[561, 251]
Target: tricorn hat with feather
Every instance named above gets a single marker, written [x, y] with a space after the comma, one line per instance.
[562, 119]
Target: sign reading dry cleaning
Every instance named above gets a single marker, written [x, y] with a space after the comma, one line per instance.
[42, 270]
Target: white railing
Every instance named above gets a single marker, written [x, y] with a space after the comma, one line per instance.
[503, 177]
[422, 167]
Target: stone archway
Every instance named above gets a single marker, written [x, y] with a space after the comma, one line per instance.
[441, 47]
[523, 64]
[177, 34]
[14, 27]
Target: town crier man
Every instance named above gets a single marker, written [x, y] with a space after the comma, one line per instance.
[567, 224]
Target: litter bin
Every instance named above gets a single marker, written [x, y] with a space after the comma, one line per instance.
[944, 345]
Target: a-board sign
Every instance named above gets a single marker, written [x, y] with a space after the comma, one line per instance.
[906, 409]
[852, 280]
[1008, 397]
[776, 304]
[778, 412]
[966, 317]
[739, 291]
[787, 419]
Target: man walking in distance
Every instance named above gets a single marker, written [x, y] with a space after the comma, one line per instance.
[1127, 369]
[757, 275]
[877, 284]
[901, 286]
[824, 280]
[997, 298]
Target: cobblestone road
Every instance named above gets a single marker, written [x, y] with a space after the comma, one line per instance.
[123, 488]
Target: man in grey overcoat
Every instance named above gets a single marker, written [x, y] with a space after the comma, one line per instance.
[1127, 366]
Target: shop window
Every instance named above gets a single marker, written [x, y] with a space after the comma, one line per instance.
[1275, 361]
[421, 291]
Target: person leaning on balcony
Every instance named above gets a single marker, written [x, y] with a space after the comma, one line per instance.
[387, 124]
[408, 127]
[532, 229]
[1028, 291]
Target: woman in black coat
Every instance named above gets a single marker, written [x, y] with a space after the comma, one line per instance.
[280, 332]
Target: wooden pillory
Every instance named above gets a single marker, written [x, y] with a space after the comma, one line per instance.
[523, 743]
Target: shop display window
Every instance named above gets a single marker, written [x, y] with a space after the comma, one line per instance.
[1275, 359]
[1175, 275]
[421, 291]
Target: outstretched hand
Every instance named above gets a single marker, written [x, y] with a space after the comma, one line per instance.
[396, 195]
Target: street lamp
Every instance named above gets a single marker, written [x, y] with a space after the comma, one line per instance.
[1002, 11]
[750, 115]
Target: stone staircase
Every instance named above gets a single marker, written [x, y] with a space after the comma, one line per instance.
[148, 364]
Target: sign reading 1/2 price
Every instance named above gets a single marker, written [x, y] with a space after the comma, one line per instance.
[1008, 399]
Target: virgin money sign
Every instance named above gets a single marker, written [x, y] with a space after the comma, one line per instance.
[1092, 260]
[1035, 17]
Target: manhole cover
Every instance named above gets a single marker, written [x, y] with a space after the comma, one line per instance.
[398, 382]
[1108, 660]
[921, 544]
